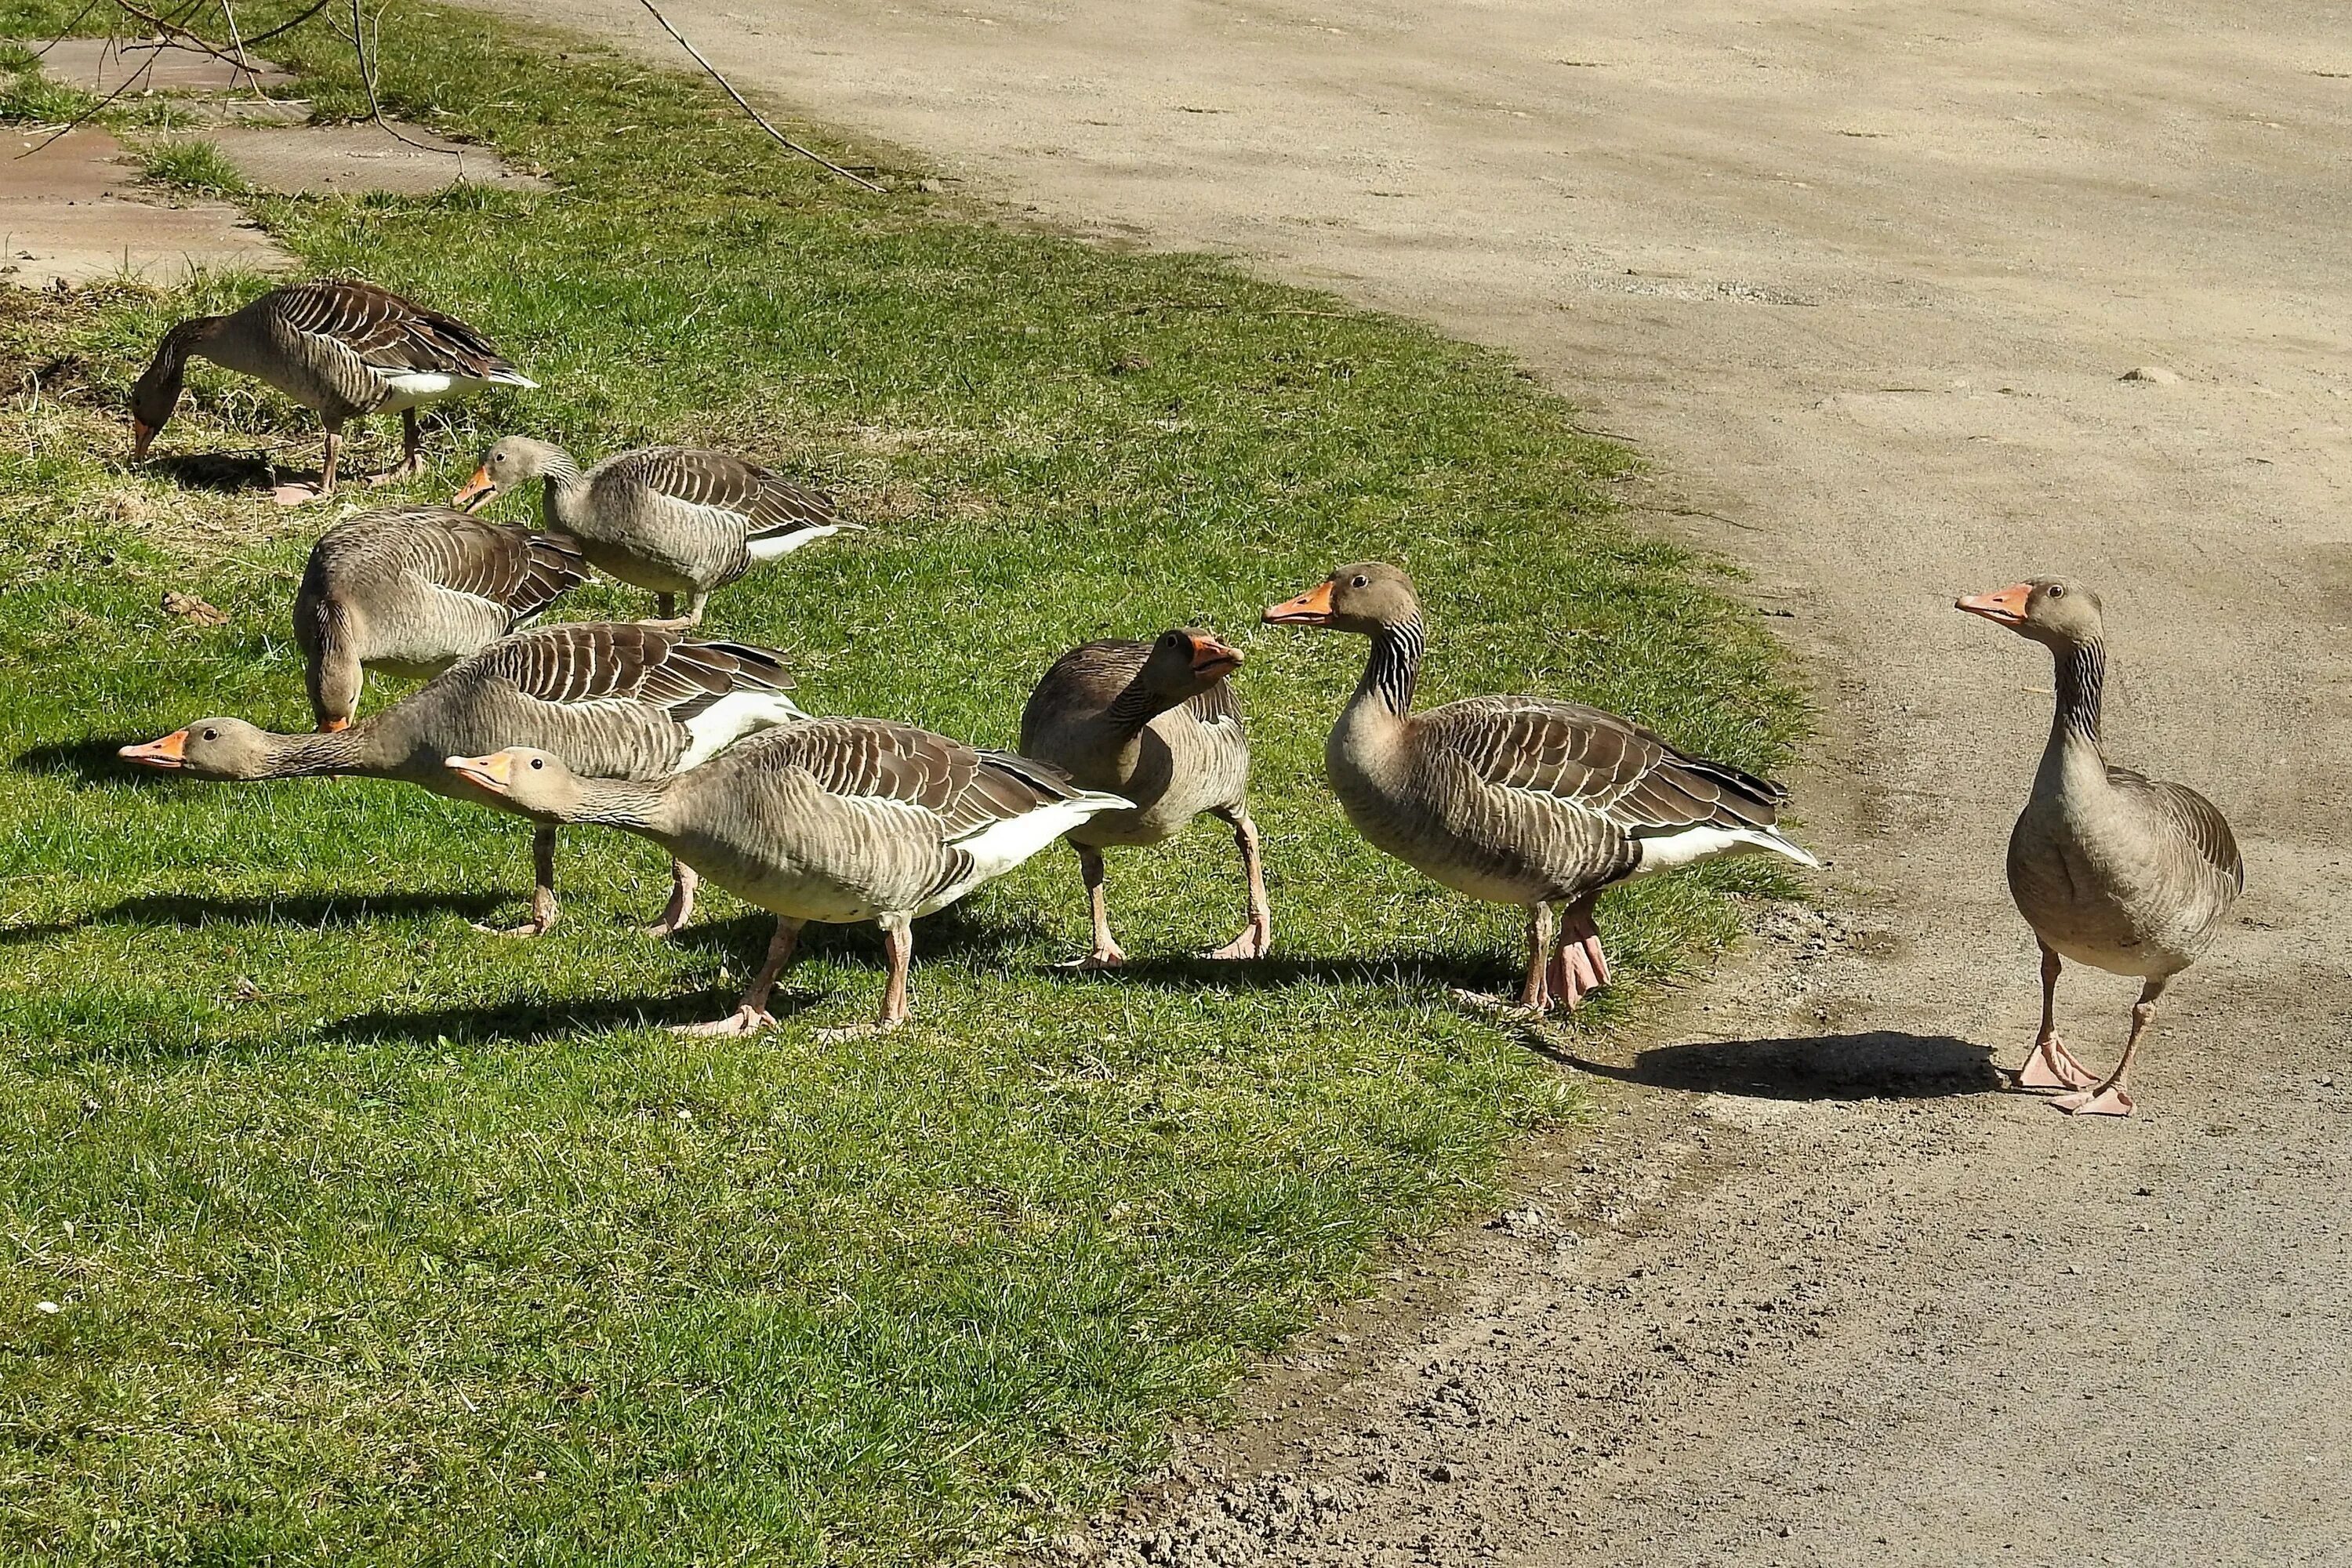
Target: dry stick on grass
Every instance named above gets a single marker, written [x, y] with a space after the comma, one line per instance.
[745, 105]
[367, 79]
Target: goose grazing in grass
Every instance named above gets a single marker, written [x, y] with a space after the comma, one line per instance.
[411, 589]
[342, 348]
[836, 820]
[673, 520]
[1518, 800]
[1157, 724]
[621, 699]
[2108, 869]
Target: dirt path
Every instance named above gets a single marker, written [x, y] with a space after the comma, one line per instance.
[1862, 280]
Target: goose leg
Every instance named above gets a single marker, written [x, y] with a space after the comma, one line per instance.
[680, 908]
[295, 494]
[694, 602]
[411, 444]
[898, 949]
[665, 606]
[1106, 953]
[543, 909]
[1579, 967]
[752, 1015]
[1258, 937]
[1535, 992]
[2113, 1097]
[2050, 1065]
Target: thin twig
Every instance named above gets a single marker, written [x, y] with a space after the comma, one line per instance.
[367, 79]
[237, 43]
[84, 117]
[70, 27]
[745, 105]
[259, 39]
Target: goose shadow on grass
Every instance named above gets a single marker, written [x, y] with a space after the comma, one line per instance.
[315, 911]
[90, 761]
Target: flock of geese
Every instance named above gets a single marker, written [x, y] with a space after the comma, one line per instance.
[696, 743]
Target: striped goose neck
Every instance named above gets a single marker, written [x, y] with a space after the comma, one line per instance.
[158, 388]
[1135, 706]
[634, 804]
[560, 474]
[1395, 668]
[335, 752]
[2082, 672]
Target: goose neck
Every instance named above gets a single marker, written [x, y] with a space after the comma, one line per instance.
[346, 750]
[2081, 671]
[635, 804]
[1393, 669]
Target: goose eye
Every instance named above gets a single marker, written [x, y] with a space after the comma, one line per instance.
[2057, 591]
[212, 735]
[1360, 582]
[539, 762]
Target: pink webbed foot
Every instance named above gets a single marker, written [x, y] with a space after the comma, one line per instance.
[1252, 942]
[528, 928]
[2050, 1065]
[1571, 976]
[2107, 1099]
[295, 494]
[742, 1021]
[1108, 956]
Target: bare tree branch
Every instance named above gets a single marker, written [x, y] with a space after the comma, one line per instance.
[745, 105]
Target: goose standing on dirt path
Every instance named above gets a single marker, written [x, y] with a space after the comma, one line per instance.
[1518, 800]
[1157, 724]
[2108, 869]
[673, 520]
[344, 349]
[836, 820]
[621, 699]
[411, 589]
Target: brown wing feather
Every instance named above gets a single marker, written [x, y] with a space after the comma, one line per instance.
[965, 788]
[701, 477]
[602, 661]
[388, 332]
[2198, 820]
[1594, 761]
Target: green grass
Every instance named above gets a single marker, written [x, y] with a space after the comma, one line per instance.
[373, 1239]
[193, 163]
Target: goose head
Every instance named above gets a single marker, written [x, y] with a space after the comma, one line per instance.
[509, 462]
[1185, 662]
[531, 781]
[1363, 598]
[2056, 612]
[209, 748]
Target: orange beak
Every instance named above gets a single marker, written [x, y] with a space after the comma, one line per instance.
[2006, 607]
[142, 435]
[331, 726]
[171, 751]
[477, 489]
[492, 773]
[1213, 660]
[1312, 608]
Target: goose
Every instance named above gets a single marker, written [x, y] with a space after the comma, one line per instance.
[1157, 724]
[1520, 800]
[2109, 868]
[342, 348]
[835, 820]
[673, 520]
[411, 589]
[620, 699]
